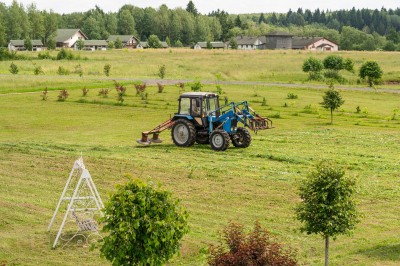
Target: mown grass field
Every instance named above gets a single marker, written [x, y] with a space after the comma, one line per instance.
[40, 140]
[234, 65]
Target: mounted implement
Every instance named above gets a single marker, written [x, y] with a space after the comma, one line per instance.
[201, 120]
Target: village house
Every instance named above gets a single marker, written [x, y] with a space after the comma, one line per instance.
[248, 42]
[68, 37]
[93, 45]
[18, 45]
[314, 43]
[215, 45]
[128, 41]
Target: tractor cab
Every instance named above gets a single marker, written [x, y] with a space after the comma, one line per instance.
[198, 106]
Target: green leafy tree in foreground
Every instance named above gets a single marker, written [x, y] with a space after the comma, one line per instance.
[154, 42]
[328, 207]
[118, 43]
[332, 100]
[80, 44]
[372, 71]
[144, 225]
[107, 69]
[13, 68]
[233, 43]
[28, 44]
[313, 66]
[333, 64]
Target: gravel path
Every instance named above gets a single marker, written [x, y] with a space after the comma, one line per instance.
[175, 81]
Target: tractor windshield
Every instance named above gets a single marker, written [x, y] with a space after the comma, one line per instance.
[210, 105]
[184, 106]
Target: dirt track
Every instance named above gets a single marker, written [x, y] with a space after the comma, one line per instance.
[175, 81]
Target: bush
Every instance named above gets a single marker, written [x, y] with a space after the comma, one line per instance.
[160, 88]
[233, 43]
[65, 54]
[107, 69]
[13, 69]
[51, 43]
[44, 94]
[196, 86]
[85, 92]
[313, 66]
[154, 42]
[140, 88]
[28, 44]
[104, 92]
[45, 55]
[178, 44]
[120, 88]
[291, 95]
[78, 70]
[63, 95]
[257, 247]
[162, 71]
[38, 70]
[118, 43]
[80, 44]
[371, 71]
[333, 64]
[264, 102]
[62, 71]
[110, 45]
[144, 225]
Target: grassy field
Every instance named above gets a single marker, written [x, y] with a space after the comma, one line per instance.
[234, 65]
[40, 140]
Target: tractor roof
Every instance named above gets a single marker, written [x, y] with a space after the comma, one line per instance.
[198, 94]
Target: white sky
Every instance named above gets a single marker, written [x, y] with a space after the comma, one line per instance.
[206, 6]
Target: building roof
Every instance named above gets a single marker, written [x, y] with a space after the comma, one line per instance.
[123, 38]
[213, 44]
[144, 44]
[279, 33]
[65, 34]
[164, 44]
[95, 42]
[301, 42]
[246, 40]
[22, 42]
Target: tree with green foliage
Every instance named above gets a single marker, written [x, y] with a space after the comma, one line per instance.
[154, 42]
[80, 44]
[313, 66]
[209, 45]
[191, 8]
[328, 206]
[333, 64]
[51, 43]
[13, 68]
[233, 43]
[168, 41]
[178, 44]
[144, 225]
[118, 43]
[348, 65]
[126, 23]
[372, 71]
[107, 69]
[28, 44]
[110, 45]
[389, 46]
[332, 100]
[393, 36]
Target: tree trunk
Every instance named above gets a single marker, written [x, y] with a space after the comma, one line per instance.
[331, 116]
[326, 250]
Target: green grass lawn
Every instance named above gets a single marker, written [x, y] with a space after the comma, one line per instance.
[234, 65]
[40, 140]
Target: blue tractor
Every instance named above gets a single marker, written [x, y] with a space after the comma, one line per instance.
[200, 119]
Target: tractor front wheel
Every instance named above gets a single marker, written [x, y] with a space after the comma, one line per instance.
[183, 133]
[242, 138]
[219, 140]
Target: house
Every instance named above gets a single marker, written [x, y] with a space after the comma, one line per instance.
[144, 45]
[18, 45]
[215, 45]
[128, 41]
[92, 45]
[68, 37]
[248, 42]
[276, 40]
[314, 43]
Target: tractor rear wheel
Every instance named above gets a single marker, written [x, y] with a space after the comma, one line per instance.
[243, 138]
[202, 139]
[219, 140]
[183, 133]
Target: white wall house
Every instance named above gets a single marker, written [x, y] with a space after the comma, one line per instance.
[127, 40]
[68, 37]
[314, 43]
[18, 45]
[93, 45]
[248, 42]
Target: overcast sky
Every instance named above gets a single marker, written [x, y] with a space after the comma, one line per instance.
[206, 6]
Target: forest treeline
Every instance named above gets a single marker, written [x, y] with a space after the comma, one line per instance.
[355, 29]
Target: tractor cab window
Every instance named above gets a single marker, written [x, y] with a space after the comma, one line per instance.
[196, 104]
[210, 105]
[184, 106]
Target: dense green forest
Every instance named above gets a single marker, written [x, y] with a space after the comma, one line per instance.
[353, 29]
